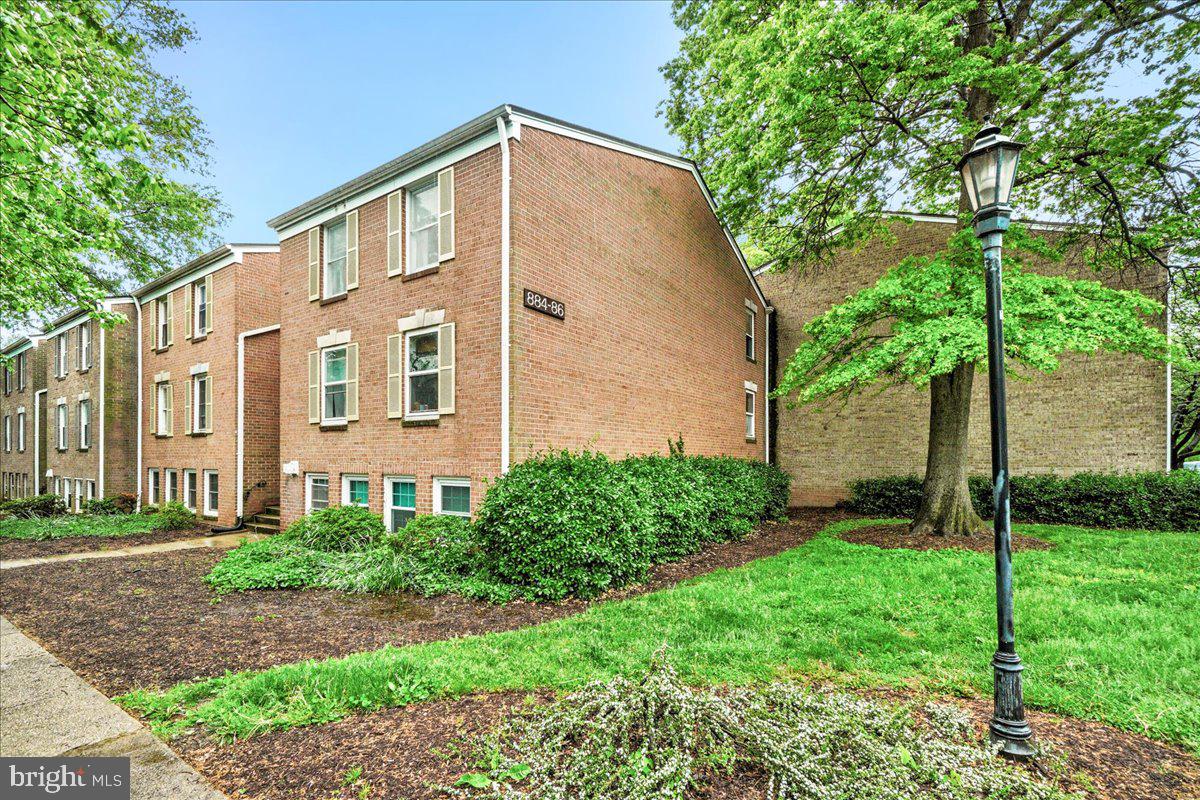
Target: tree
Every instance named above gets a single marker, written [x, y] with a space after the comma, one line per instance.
[91, 137]
[1185, 388]
[811, 119]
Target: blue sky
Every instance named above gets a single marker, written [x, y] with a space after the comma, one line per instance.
[299, 97]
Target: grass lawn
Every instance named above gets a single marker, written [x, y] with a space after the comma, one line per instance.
[68, 526]
[1108, 623]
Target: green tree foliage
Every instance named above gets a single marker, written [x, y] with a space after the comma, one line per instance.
[1185, 388]
[92, 139]
[811, 120]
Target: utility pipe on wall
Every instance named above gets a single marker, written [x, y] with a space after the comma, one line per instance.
[505, 291]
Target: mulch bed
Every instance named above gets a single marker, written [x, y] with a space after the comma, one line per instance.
[147, 621]
[31, 548]
[898, 537]
[409, 752]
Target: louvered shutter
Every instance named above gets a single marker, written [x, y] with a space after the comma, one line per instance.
[153, 408]
[351, 382]
[189, 321]
[395, 396]
[208, 414]
[393, 234]
[187, 405]
[352, 250]
[314, 386]
[446, 368]
[154, 324]
[446, 214]
[169, 408]
[208, 299]
[314, 264]
[170, 320]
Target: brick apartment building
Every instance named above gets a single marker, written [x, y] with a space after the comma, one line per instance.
[1101, 413]
[22, 408]
[516, 284]
[209, 380]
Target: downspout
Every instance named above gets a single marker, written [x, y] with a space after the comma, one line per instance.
[241, 424]
[100, 427]
[505, 291]
[1170, 436]
[141, 429]
[37, 442]
[768, 383]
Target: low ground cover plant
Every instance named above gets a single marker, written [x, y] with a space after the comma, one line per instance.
[561, 524]
[100, 519]
[1139, 501]
[653, 738]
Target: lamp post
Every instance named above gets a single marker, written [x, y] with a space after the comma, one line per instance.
[988, 170]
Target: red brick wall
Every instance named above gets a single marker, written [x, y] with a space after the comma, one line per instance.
[652, 346]
[19, 464]
[260, 443]
[1104, 413]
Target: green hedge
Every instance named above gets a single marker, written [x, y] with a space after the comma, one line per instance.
[42, 505]
[1139, 501]
[566, 523]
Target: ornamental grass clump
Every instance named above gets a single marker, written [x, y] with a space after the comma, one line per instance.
[656, 739]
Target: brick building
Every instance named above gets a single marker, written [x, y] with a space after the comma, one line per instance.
[516, 284]
[209, 380]
[90, 410]
[22, 408]
[1102, 413]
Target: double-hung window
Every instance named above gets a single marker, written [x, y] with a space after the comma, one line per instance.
[62, 425]
[61, 356]
[421, 372]
[356, 491]
[189, 488]
[85, 424]
[423, 227]
[152, 486]
[8, 433]
[335, 258]
[85, 346]
[333, 384]
[202, 403]
[212, 493]
[751, 316]
[316, 492]
[21, 430]
[22, 372]
[170, 485]
[164, 423]
[162, 313]
[452, 496]
[400, 497]
[750, 397]
[200, 308]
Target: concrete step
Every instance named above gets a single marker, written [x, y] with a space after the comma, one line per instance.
[265, 516]
[258, 527]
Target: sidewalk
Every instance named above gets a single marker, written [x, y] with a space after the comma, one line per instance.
[224, 540]
[48, 710]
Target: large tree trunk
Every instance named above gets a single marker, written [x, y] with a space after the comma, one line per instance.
[945, 500]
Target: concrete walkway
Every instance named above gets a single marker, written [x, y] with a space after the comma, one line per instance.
[224, 540]
[48, 710]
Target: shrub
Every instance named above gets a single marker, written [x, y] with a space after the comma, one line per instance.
[124, 503]
[173, 516]
[274, 563]
[103, 506]
[338, 529]
[42, 505]
[150, 508]
[1142, 501]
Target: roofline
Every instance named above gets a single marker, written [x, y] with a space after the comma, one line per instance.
[226, 250]
[20, 344]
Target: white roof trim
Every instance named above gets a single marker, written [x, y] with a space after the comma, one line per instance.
[234, 257]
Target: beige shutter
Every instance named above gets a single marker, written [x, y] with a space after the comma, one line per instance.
[169, 407]
[153, 408]
[314, 264]
[208, 414]
[187, 405]
[352, 250]
[446, 214]
[393, 233]
[170, 320]
[395, 395]
[208, 298]
[351, 382]
[314, 386]
[446, 368]
[189, 321]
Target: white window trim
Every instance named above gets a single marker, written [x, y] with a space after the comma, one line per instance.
[21, 430]
[438, 483]
[406, 386]
[344, 219]
[153, 487]
[752, 414]
[61, 366]
[197, 288]
[198, 401]
[308, 486]
[345, 382]
[85, 424]
[346, 478]
[425, 183]
[208, 510]
[752, 337]
[61, 422]
[189, 479]
[8, 433]
[388, 482]
[167, 475]
[85, 347]
[163, 318]
[79, 485]
[160, 410]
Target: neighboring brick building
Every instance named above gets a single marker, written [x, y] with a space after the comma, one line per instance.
[91, 405]
[1104, 413]
[22, 407]
[516, 284]
[209, 338]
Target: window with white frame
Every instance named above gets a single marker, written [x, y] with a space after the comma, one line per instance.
[452, 496]
[62, 424]
[152, 487]
[422, 226]
[335, 258]
[22, 371]
[333, 384]
[85, 424]
[163, 409]
[750, 396]
[85, 346]
[202, 403]
[78, 494]
[751, 316]
[189, 488]
[316, 492]
[91, 490]
[61, 356]
[170, 485]
[400, 500]
[421, 372]
[21, 430]
[212, 493]
[8, 433]
[199, 308]
[162, 313]
[356, 491]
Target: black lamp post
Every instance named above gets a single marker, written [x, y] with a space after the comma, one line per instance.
[988, 170]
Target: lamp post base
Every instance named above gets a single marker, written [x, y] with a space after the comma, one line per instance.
[1008, 727]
